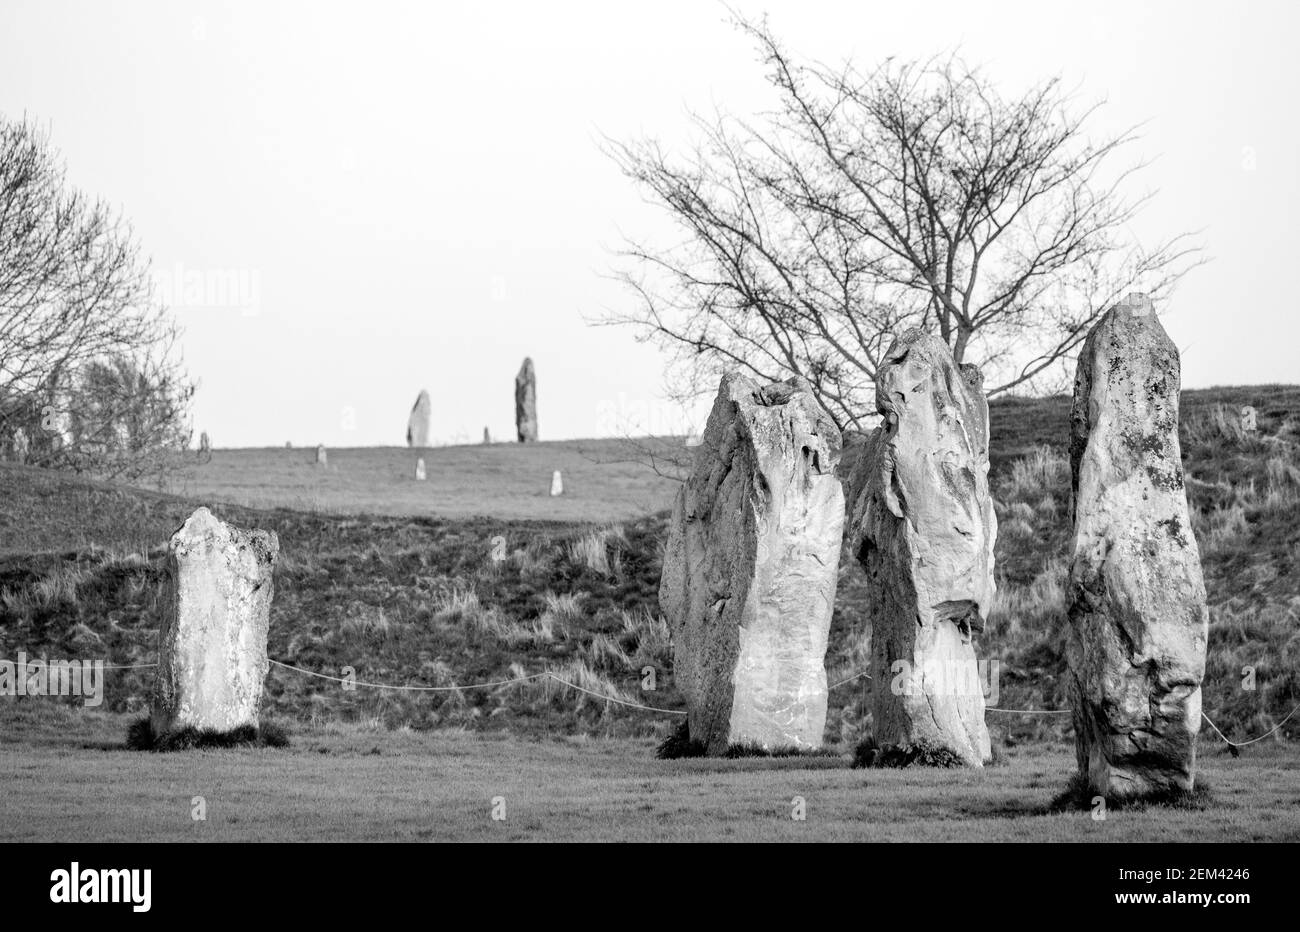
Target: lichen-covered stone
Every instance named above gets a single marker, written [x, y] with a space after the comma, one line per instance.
[750, 568]
[417, 425]
[1138, 621]
[923, 528]
[526, 403]
[212, 636]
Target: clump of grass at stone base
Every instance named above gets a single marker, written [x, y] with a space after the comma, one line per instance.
[141, 736]
[922, 754]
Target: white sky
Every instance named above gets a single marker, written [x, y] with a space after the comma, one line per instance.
[417, 195]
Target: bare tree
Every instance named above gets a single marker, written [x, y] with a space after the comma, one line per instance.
[89, 375]
[909, 195]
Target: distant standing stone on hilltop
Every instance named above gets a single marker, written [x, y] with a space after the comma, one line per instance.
[322, 458]
[417, 425]
[526, 403]
[419, 470]
[923, 528]
[557, 483]
[212, 637]
[1138, 621]
[21, 445]
[205, 445]
[750, 567]
[487, 437]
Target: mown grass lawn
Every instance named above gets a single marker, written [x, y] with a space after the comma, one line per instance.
[66, 778]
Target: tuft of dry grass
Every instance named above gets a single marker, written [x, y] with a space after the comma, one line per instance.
[600, 550]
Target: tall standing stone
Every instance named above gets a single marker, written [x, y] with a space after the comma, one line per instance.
[205, 445]
[1138, 620]
[487, 436]
[322, 457]
[212, 636]
[417, 425]
[923, 528]
[419, 470]
[750, 568]
[526, 403]
[557, 483]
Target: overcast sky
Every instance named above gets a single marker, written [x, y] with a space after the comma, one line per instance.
[412, 195]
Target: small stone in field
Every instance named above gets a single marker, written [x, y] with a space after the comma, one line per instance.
[322, 458]
[557, 484]
[419, 469]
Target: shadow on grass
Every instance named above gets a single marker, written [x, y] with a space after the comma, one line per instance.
[141, 736]
[680, 745]
[1079, 795]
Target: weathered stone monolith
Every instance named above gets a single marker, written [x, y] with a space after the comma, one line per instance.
[417, 425]
[750, 568]
[526, 403]
[205, 445]
[419, 470]
[212, 636]
[487, 436]
[923, 528]
[322, 457]
[1138, 620]
[1248, 418]
[557, 483]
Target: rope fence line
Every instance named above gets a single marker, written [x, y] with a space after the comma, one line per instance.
[547, 674]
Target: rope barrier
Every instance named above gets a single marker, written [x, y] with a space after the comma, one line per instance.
[547, 674]
[1242, 744]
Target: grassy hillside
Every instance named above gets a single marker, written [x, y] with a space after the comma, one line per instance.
[418, 600]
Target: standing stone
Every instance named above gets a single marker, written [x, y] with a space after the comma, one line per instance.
[1247, 418]
[526, 403]
[1136, 600]
[212, 637]
[487, 437]
[205, 445]
[750, 568]
[419, 469]
[923, 528]
[557, 483]
[417, 425]
[322, 458]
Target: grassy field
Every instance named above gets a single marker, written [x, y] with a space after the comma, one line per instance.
[66, 778]
[410, 594]
[512, 481]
